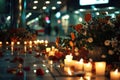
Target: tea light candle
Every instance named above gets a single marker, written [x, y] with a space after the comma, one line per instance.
[100, 68]
[115, 75]
[88, 67]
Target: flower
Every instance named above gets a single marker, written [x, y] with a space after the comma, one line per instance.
[107, 43]
[101, 32]
[20, 34]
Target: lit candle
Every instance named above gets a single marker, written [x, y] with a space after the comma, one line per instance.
[0, 42]
[100, 68]
[48, 49]
[46, 42]
[88, 67]
[79, 65]
[50, 62]
[12, 43]
[81, 78]
[68, 70]
[30, 42]
[68, 60]
[25, 48]
[53, 48]
[70, 57]
[115, 75]
[51, 53]
[18, 43]
[25, 42]
[7, 43]
[35, 42]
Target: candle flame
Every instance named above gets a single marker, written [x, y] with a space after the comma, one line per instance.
[81, 60]
[69, 71]
[81, 78]
[116, 71]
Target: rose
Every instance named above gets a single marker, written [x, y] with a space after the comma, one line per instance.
[39, 72]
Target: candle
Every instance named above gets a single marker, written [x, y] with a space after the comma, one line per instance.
[50, 62]
[0, 42]
[48, 49]
[18, 43]
[68, 60]
[30, 42]
[25, 42]
[53, 48]
[115, 75]
[7, 43]
[79, 65]
[70, 57]
[25, 48]
[12, 43]
[88, 67]
[52, 53]
[46, 42]
[68, 70]
[100, 68]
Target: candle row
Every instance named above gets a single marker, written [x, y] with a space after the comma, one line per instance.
[28, 42]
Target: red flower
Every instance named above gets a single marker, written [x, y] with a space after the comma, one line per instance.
[27, 68]
[39, 72]
[20, 73]
[88, 17]
[78, 27]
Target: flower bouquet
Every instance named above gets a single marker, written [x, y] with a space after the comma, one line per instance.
[96, 33]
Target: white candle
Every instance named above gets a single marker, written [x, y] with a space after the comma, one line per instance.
[79, 65]
[51, 53]
[68, 60]
[48, 49]
[100, 68]
[68, 70]
[115, 75]
[53, 48]
[70, 57]
[87, 67]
